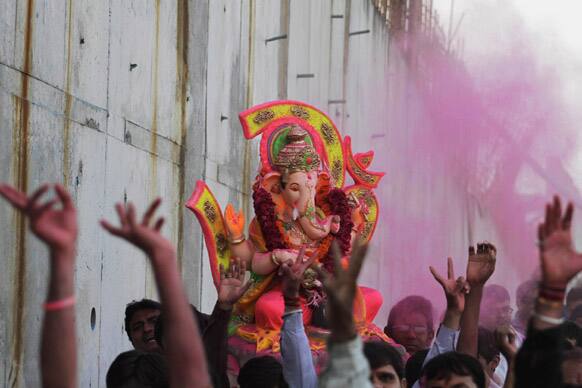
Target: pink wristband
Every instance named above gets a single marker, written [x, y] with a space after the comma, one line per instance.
[59, 304]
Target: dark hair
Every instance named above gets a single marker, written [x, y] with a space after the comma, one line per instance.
[134, 306]
[447, 364]
[380, 353]
[138, 369]
[486, 344]
[496, 292]
[411, 304]
[414, 366]
[262, 372]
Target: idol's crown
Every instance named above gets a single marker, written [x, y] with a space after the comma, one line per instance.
[297, 155]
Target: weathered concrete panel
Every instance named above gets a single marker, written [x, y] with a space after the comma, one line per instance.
[88, 42]
[194, 17]
[86, 184]
[309, 48]
[7, 217]
[124, 267]
[7, 30]
[270, 50]
[46, 24]
[131, 62]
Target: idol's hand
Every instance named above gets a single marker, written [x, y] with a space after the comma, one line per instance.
[235, 222]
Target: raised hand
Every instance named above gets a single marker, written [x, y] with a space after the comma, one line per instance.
[506, 337]
[455, 289]
[232, 283]
[143, 235]
[560, 262]
[56, 227]
[341, 291]
[292, 274]
[481, 264]
[235, 222]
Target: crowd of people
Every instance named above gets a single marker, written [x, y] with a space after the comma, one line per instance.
[478, 343]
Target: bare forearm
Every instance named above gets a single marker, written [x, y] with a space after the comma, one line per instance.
[452, 319]
[243, 250]
[341, 324]
[263, 264]
[470, 323]
[184, 347]
[58, 352]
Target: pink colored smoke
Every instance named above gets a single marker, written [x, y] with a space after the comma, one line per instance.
[474, 147]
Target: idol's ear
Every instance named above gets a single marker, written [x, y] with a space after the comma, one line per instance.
[272, 182]
[323, 186]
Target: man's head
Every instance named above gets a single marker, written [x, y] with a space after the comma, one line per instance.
[261, 372]
[140, 322]
[453, 370]
[495, 307]
[410, 323]
[386, 365]
[135, 369]
[488, 351]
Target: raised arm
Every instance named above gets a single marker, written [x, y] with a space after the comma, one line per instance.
[480, 267]
[57, 228]
[347, 365]
[186, 358]
[215, 336]
[559, 261]
[455, 292]
[538, 362]
[298, 368]
[506, 337]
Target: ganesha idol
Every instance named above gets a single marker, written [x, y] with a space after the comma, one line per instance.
[300, 200]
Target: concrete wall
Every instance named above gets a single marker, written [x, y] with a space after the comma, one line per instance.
[129, 100]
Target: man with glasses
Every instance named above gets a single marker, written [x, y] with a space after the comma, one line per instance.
[410, 323]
